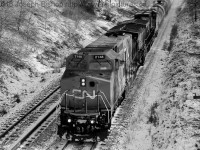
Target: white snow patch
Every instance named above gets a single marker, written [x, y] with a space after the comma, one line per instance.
[32, 60]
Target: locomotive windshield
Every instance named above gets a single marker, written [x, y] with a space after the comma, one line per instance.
[100, 65]
[88, 62]
[77, 62]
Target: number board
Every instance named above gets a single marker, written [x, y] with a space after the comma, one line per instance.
[99, 56]
[78, 56]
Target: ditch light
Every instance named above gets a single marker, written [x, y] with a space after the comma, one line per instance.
[92, 121]
[69, 120]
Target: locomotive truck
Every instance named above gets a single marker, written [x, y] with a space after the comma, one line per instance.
[97, 77]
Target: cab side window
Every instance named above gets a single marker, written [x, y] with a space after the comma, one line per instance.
[116, 64]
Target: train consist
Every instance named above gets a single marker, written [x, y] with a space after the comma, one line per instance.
[97, 77]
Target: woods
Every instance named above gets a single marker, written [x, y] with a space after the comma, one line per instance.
[194, 7]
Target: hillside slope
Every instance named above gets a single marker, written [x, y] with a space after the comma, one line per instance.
[178, 111]
[36, 36]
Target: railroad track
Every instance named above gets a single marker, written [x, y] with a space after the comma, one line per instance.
[79, 146]
[36, 116]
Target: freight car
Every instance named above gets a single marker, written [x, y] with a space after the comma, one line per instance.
[139, 35]
[97, 77]
[142, 29]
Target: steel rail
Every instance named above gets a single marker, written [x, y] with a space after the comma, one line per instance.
[39, 122]
[26, 114]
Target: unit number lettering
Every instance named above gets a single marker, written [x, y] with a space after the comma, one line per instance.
[78, 56]
[99, 56]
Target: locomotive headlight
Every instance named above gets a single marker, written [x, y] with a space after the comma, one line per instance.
[92, 121]
[69, 120]
[83, 82]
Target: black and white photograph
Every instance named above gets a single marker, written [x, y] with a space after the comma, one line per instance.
[99, 75]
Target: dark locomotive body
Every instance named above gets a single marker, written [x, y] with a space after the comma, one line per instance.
[97, 77]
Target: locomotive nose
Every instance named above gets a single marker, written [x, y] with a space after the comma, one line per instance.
[85, 91]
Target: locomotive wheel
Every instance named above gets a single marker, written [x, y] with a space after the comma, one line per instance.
[107, 126]
[81, 141]
[67, 136]
[60, 131]
[95, 138]
[73, 139]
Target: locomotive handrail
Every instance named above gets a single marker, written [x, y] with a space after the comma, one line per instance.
[90, 97]
[105, 97]
[103, 102]
[72, 95]
[105, 105]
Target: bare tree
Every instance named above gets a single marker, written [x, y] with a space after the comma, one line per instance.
[3, 16]
[193, 6]
[99, 1]
[22, 12]
[2, 21]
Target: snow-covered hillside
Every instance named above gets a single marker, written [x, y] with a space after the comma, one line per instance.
[36, 36]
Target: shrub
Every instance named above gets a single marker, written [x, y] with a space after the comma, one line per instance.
[107, 14]
[43, 79]
[178, 11]
[74, 9]
[195, 30]
[16, 98]
[173, 35]
[153, 115]
[88, 5]
[174, 32]
[165, 45]
[3, 110]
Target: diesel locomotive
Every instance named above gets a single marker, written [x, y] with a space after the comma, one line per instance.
[97, 77]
